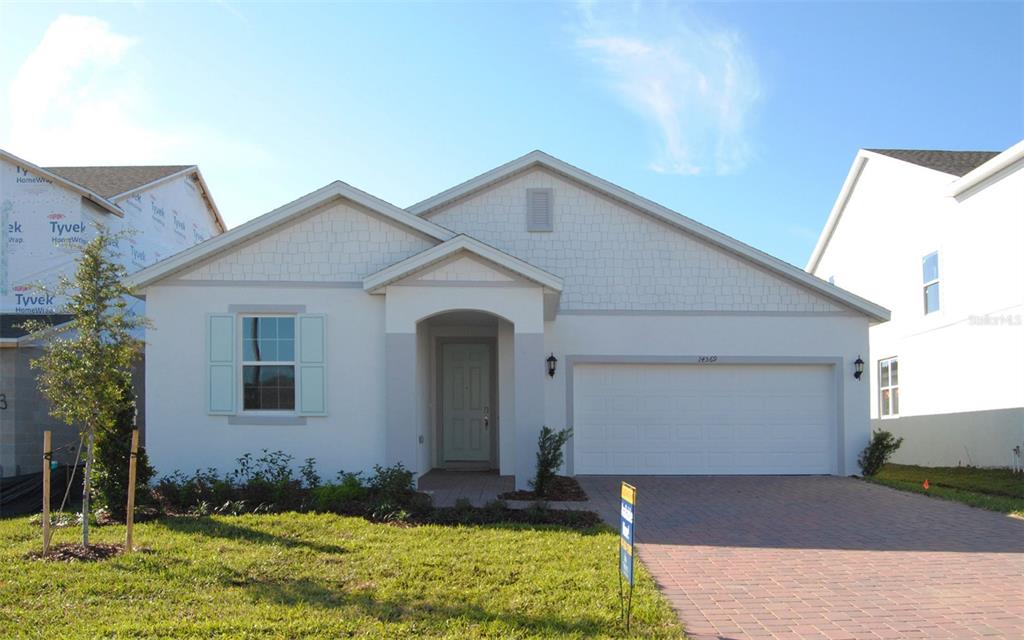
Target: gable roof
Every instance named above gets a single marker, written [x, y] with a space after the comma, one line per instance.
[117, 183]
[677, 220]
[111, 182]
[276, 218]
[375, 282]
[985, 164]
[957, 163]
[85, 192]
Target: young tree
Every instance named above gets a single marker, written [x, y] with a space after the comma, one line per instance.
[110, 468]
[85, 369]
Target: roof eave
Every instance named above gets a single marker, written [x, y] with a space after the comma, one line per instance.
[88, 194]
[993, 167]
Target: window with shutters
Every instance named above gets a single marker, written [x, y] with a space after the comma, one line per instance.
[268, 363]
[539, 210]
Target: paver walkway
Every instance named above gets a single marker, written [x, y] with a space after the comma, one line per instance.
[823, 557]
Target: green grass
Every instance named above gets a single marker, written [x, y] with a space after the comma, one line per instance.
[304, 575]
[992, 489]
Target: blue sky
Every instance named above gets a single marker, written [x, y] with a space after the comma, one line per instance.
[744, 116]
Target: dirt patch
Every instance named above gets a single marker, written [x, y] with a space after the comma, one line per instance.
[78, 552]
[562, 489]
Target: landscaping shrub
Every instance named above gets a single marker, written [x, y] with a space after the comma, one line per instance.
[310, 478]
[113, 455]
[268, 484]
[348, 497]
[549, 457]
[883, 444]
[268, 481]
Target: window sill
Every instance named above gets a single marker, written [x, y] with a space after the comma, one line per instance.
[266, 421]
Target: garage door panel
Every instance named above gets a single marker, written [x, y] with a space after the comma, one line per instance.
[688, 419]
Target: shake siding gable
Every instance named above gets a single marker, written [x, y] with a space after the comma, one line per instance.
[615, 258]
[338, 243]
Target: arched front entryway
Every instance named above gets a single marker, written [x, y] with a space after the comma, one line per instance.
[443, 340]
[468, 358]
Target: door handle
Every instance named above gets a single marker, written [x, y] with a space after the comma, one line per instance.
[487, 417]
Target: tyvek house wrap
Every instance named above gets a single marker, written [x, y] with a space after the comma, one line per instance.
[43, 224]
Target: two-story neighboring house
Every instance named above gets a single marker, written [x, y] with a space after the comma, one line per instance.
[936, 237]
[46, 214]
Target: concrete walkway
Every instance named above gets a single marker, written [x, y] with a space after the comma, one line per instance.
[823, 557]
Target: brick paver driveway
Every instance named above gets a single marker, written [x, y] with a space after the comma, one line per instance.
[822, 557]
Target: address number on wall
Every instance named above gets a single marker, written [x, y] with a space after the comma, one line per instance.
[706, 359]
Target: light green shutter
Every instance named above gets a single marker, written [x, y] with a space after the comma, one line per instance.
[221, 376]
[312, 365]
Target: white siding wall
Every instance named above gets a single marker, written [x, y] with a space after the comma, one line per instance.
[341, 243]
[611, 257]
[953, 361]
[948, 361]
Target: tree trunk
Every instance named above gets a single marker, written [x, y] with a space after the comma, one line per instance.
[87, 487]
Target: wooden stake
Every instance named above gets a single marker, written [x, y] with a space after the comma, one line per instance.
[131, 491]
[47, 456]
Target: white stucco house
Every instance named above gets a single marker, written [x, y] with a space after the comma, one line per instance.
[347, 329]
[936, 237]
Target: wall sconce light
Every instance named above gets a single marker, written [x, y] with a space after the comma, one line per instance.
[552, 363]
[858, 368]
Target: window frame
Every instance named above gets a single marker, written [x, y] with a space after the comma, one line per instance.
[893, 389]
[929, 283]
[243, 363]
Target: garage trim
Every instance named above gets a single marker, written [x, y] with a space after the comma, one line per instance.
[835, 362]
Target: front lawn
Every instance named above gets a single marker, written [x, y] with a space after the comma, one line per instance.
[993, 489]
[306, 575]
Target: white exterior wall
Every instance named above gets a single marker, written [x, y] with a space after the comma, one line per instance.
[612, 257]
[741, 336]
[952, 361]
[182, 435]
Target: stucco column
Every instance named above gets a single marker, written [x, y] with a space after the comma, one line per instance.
[529, 403]
[401, 439]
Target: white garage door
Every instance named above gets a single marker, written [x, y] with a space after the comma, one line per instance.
[703, 419]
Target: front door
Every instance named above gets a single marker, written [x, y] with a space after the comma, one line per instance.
[466, 402]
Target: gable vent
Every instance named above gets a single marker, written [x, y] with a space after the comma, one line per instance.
[539, 207]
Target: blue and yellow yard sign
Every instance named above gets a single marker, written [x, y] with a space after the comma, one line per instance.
[627, 527]
[626, 516]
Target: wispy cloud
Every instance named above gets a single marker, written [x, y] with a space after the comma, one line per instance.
[78, 99]
[695, 83]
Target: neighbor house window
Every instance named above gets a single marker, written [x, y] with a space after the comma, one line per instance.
[930, 269]
[888, 387]
[268, 363]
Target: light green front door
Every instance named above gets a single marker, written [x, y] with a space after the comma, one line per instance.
[466, 402]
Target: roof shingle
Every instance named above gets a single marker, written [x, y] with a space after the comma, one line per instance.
[112, 181]
[957, 163]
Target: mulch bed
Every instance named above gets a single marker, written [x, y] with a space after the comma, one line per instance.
[562, 489]
[572, 519]
[78, 553]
